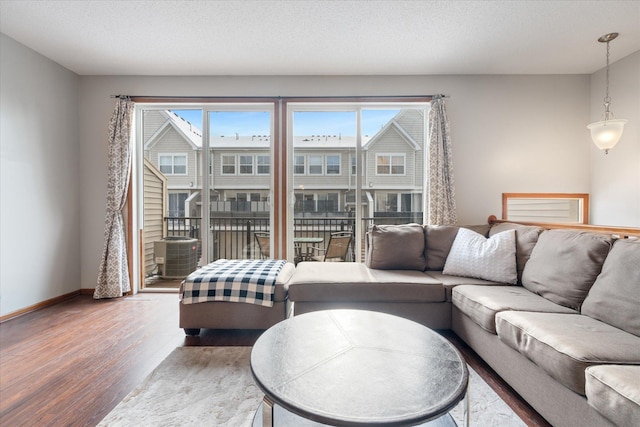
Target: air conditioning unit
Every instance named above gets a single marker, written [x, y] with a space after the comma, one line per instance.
[176, 256]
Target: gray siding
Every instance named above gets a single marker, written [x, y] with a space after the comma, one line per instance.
[173, 143]
[391, 143]
[152, 121]
[155, 190]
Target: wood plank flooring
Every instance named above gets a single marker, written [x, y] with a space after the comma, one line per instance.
[70, 364]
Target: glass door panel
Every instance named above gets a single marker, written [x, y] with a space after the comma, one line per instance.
[393, 155]
[172, 146]
[324, 146]
[227, 193]
[240, 182]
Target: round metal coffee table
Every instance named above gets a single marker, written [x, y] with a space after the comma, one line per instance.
[356, 368]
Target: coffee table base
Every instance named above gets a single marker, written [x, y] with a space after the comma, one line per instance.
[284, 418]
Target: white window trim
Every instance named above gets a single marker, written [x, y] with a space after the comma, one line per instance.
[267, 164]
[321, 165]
[304, 164]
[326, 164]
[222, 164]
[173, 163]
[391, 155]
[240, 164]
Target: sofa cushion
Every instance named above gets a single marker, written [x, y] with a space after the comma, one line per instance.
[350, 281]
[396, 247]
[450, 282]
[564, 345]
[614, 391]
[438, 241]
[564, 264]
[482, 303]
[491, 258]
[614, 298]
[526, 238]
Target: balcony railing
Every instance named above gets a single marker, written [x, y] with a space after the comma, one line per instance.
[233, 238]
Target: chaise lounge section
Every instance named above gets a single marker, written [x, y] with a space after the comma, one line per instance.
[561, 326]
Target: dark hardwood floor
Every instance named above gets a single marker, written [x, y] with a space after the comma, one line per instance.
[71, 363]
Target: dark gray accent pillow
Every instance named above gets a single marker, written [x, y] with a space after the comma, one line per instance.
[615, 296]
[396, 247]
[526, 238]
[438, 241]
[564, 264]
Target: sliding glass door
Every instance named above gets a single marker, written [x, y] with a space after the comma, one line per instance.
[352, 166]
[271, 179]
[206, 185]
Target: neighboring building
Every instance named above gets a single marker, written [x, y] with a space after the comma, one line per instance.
[323, 168]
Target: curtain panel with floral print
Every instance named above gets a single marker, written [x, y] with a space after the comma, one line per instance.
[113, 276]
[441, 193]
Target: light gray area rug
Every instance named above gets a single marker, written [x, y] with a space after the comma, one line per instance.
[212, 386]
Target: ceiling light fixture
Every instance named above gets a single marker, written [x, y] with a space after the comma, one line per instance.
[607, 133]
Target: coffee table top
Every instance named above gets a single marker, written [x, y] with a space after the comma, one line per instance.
[355, 367]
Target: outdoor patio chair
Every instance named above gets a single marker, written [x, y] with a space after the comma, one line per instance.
[264, 244]
[337, 249]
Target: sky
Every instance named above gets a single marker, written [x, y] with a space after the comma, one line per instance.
[305, 123]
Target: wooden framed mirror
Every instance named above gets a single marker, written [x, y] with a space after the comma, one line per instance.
[570, 208]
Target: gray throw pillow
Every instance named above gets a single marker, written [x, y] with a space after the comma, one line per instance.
[526, 238]
[438, 241]
[615, 296]
[564, 264]
[396, 247]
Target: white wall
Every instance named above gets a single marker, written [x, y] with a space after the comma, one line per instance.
[509, 133]
[615, 177]
[40, 208]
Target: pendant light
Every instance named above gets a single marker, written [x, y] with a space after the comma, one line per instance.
[607, 133]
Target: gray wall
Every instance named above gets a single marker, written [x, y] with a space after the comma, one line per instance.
[615, 177]
[40, 204]
[510, 134]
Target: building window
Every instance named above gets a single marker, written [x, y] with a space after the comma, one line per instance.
[176, 204]
[246, 165]
[298, 165]
[333, 165]
[386, 202]
[173, 164]
[390, 164]
[315, 165]
[262, 165]
[353, 165]
[228, 165]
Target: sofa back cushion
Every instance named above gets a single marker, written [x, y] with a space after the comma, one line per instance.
[438, 241]
[474, 255]
[526, 239]
[396, 247]
[614, 298]
[564, 264]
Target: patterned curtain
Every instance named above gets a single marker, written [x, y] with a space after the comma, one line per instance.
[441, 196]
[113, 277]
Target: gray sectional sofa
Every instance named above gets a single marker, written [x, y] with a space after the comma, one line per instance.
[555, 312]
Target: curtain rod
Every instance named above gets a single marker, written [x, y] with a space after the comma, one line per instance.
[435, 96]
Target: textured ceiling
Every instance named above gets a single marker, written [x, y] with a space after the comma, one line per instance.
[319, 37]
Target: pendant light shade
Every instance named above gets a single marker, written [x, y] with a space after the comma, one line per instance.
[607, 133]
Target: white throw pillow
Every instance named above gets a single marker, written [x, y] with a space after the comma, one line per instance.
[473, 255]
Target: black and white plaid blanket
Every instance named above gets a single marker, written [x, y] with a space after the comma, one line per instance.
[250, 281]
